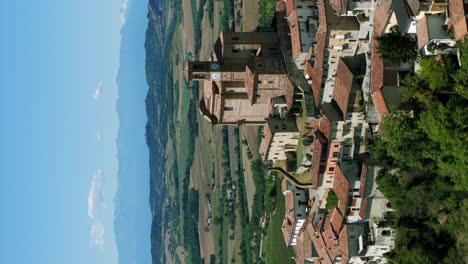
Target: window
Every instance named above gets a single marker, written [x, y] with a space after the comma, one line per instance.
[331, 169]
[235, 38]
[235, 51]
[228, 108]
[336, 154]
[270, 82]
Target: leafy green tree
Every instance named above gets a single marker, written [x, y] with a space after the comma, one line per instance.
[396, 47]
[424, 154]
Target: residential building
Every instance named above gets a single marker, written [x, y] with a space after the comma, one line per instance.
[432, 32]
[303, 21]
[297, 206]
[280, 139]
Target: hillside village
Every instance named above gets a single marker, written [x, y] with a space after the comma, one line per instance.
[316, 82]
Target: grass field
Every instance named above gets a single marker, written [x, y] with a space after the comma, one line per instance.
[276, 251]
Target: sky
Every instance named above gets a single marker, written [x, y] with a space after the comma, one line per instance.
[58, 159]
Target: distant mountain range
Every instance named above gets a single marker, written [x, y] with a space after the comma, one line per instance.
[133, 217]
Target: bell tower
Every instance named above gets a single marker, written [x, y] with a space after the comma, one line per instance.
[203, 70]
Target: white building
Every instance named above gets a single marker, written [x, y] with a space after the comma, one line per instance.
[280, 137]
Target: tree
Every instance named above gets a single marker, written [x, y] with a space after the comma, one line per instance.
[423, 151]
[396, 47]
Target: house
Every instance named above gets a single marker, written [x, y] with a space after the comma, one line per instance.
[297, 207]
[303, 21]
[280, 137]
[350, 7]
[432, 33]
[458, 18]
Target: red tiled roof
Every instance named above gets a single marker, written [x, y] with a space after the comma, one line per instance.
[316, 154]
[218, 106]
[379, 103]
[289, 93]
[295, 35]
[422, 32]
[250, 84]
[343, 245]
[303, 248]
[343, 85]
[381, 17]
[330, 240]
[325, 127]
[289, 7]
[320, 246]
[207, 88]
[338, 6]
[266, 140]
[458, 20]
[336, 220]
[341, 189]
[316, 72]
[362, 192]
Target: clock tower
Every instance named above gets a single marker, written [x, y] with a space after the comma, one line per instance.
[203, 70]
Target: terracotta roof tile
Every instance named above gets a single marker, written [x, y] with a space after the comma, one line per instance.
[295, 35]
[316, 154]
[341, 189]
[288, 222]
[289, 93]
[207, 88]
[316, 71]
[339, 6]
[325, 127]
[289, 7]
[422, 32]
[331, 241]
[250, 84]
[303, 248]
[287, 229]
[343, 85]
[336, 220]
[344, 245]
[362, 191]
[218, 105]
[458, 20]
[381, 17]
[320, 247]
[379, 103]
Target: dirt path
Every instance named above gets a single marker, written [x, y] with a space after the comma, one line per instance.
[250, 15]
[249, 183]
[233, 160]
[250, 134]
[187, 24]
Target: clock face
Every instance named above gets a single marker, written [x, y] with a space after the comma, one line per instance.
[215, 76]
[215, 66]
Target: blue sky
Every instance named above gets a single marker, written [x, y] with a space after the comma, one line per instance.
[58, 165]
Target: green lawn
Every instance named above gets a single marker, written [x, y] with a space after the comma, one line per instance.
[275, 247]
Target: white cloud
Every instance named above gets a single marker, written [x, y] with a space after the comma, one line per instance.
[97, 234]
[97, 92]
[123, 11]
[95, 207]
